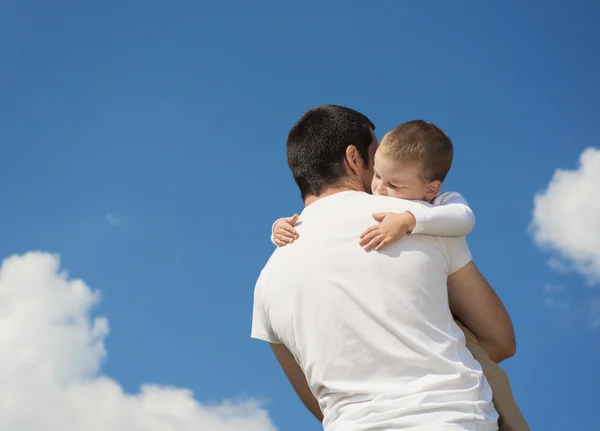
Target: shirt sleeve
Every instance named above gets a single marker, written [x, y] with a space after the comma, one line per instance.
[458, 253]
[450, 216]
[261, 328]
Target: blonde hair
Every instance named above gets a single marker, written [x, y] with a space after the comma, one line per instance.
[420, 142]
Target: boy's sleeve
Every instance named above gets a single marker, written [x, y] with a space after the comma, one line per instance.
[261, 328]
[450, 215]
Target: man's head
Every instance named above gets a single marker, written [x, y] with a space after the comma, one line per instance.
[412, 161]
[331, 146]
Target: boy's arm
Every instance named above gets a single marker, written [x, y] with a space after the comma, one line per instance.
[450, 216]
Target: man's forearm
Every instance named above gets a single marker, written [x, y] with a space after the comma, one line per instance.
[475, 303]
[490, 347]
[496, 354]
[296, 377]
[313, 406]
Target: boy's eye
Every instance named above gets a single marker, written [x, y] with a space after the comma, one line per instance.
[392, 186]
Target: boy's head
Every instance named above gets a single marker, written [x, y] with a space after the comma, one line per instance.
[412, 161]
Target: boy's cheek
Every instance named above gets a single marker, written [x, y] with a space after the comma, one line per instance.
[399, 194]
[404, 194]
[408, 195]
[376, 188]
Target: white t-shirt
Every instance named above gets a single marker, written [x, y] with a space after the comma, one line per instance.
[373, 332]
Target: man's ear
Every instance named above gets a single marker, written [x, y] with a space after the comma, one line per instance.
[432, 189]
[354, 161]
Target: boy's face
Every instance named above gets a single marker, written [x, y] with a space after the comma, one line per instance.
[400, 180]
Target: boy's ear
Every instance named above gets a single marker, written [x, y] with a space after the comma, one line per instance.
[432, 189]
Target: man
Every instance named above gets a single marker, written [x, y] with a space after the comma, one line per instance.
[368, 340]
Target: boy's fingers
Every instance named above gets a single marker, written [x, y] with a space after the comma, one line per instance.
[368, 237]
[289, 228]
[374, 242]
[285, 238]
[293, 219]
[285, 233]
[379, 216]
[365, 240]
[369, 230]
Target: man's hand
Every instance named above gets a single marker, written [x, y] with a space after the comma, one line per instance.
[284, 232]
[391, 227]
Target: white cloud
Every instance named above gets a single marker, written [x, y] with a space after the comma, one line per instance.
[50, 355]
[549, 288]
[558, 265]
[569, 308]
[112, 220]
[566, 217]
[556, 304]
[555, 298]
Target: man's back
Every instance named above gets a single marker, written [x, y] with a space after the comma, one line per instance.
[372, 331]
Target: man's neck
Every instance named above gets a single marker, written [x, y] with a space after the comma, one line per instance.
[332, 190]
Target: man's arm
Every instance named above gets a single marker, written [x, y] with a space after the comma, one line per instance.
[474, 302]
[296, 377]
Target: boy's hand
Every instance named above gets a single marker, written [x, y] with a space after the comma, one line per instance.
[284, 232]
[391, 227]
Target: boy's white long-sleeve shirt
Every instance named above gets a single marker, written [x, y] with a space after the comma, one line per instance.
[450, 215]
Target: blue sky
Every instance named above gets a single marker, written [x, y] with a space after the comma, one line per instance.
[145, 143]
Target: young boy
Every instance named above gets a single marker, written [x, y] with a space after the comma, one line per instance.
[411, 162]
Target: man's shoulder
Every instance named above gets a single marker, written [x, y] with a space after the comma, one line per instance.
[357, 201]
[395, 204]
[277, 263]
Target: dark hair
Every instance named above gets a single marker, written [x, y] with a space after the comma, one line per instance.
[316, 145]
[420, 142]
